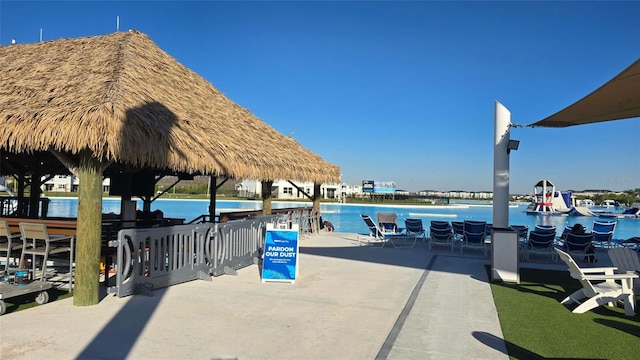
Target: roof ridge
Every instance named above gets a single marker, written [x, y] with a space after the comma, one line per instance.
[112, 92]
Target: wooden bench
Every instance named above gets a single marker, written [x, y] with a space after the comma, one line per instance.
[54, 226]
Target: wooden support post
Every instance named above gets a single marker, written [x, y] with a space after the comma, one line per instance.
[213, 189]
[22, 208]
[266, 197]
[34, 196]
[316, 196]
[89, 230]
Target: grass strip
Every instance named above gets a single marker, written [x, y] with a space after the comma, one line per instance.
[27, 301]
[536, 326]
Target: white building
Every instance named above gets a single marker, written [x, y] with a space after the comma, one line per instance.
[283, 189]
[351, 191]
[68, 183]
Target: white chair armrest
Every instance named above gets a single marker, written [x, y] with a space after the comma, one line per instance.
[606, 270]
[611, 277]
[53, 238]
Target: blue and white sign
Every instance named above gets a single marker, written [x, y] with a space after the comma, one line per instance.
[280, 258]
[367, 186]
[384, 187]
[378, 187]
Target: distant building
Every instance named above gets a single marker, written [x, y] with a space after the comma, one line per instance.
[351, 191]
[68, 183]
[283, 189]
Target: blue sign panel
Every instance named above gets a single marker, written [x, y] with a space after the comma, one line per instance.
[280, 258]
[367, 186]
[384, 187]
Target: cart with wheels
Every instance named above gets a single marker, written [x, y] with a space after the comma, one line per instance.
[8, 290]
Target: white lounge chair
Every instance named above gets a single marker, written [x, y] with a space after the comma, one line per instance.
[605, 292]
[626, 260]
[377, 237]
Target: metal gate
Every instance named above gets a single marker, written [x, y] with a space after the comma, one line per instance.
[152, 258]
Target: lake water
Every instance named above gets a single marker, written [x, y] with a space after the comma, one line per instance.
[346, 217]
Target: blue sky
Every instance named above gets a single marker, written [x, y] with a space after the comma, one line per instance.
[396, 91]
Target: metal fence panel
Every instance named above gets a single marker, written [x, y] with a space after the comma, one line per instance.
[151, 258]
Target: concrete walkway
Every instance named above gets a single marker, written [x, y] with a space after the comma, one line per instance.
[349, 302]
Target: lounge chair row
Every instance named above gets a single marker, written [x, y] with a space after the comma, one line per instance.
[466, 234]
[542, 240]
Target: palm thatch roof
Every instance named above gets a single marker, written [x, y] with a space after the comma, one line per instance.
[129, 102]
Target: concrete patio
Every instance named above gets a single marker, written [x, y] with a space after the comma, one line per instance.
[349, 302]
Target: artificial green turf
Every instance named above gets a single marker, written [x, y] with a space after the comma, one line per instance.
[23, 302]
[536, 326]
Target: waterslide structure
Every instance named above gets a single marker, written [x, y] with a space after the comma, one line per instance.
[581, 211]
[548, 201]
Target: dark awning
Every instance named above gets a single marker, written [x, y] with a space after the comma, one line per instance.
[618, 99]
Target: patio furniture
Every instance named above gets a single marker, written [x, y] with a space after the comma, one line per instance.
[9, 242]
[377, 236]
[388, 223]
[523, 232]
[599, 287]
[474, 234]
[38, 242]
[626, 260]
[578, 245]
[540, 243]
[440, 235]
[545, 228]
[458, 231]
[414, 227]
[603, 233]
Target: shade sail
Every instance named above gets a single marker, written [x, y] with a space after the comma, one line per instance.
[618, 99]
[129, 102]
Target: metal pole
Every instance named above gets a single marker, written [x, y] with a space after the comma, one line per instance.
[501, 166]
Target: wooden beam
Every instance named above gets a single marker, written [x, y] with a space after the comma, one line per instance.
[266, 196]
[309, 196]
[89, 230]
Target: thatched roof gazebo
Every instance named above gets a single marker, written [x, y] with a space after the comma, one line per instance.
[117, 103]
[126, 100]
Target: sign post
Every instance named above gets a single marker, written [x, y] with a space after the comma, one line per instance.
[280, 258]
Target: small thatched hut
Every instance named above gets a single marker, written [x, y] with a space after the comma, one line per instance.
[115, 104]
[127, 101]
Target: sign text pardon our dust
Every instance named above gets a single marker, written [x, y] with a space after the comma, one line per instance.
[280, 258]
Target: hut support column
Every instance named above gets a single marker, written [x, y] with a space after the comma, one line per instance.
[213, 189]
[266, 197]
[22, 209]
[316, 196]
[34, 196]
[127, 207]
[89, 230]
